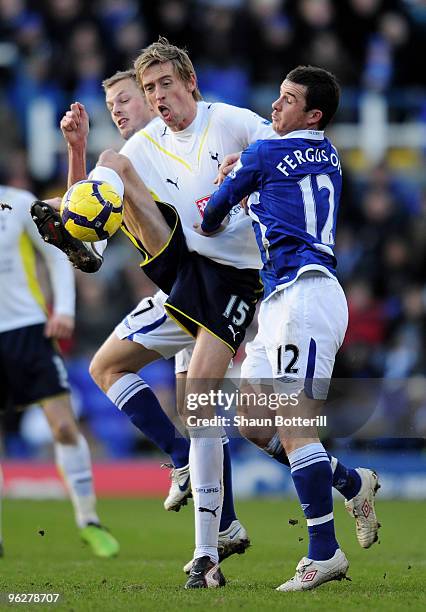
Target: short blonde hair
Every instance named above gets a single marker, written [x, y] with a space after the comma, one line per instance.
[161, 52]
[120, 75]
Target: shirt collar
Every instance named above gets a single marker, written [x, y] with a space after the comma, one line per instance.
[192, 128]
[308, 134]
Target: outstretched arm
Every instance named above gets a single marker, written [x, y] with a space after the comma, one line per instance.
[75, 129]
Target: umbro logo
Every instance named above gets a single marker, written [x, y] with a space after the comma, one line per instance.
[201, 509]
[366, 509]
[175, 183]
[309, 576]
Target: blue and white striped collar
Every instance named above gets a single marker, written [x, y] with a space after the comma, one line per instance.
[308, 134]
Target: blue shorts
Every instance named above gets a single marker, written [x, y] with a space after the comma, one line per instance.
[31, 367]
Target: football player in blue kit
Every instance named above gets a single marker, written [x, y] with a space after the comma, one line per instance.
[295, 184]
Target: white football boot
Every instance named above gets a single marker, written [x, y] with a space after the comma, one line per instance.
[232, 541]
[361, 507]
[311, 574]
[180, 488]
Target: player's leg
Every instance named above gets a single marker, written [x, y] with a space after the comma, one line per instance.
[207, 368]
[257, 382]
[180, 479]
[141, 214]
[233, 537]
[74, 464]
[358, 486]
[115, 369]
[216, 303]
[142, 217]
[228, 520]
[312, 477]
[37, 375]
[297, 320]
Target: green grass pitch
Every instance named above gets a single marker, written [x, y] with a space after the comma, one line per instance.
[155, 544]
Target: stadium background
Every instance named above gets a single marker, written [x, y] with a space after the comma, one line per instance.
[53, 52]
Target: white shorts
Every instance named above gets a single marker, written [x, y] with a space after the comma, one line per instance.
[301, 328]
[149, 325]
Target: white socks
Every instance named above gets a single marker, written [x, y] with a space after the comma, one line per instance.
[206, 471]
[102, 173]
[74, 464]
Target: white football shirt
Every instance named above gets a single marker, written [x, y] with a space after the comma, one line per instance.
[180, 167]
[22, 302]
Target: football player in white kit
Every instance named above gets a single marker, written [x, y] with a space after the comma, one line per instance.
[130, 113]
[177, 155]
[31, 366]
[146, 327]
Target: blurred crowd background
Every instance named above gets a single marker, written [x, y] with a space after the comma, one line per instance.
[53, 52]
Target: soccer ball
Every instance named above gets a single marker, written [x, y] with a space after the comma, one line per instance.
[91, 210]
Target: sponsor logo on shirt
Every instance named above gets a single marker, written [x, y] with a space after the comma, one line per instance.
[202, 203]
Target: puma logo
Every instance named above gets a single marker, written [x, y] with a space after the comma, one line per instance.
[234, 333]
[201, 509]
[4, 206]
[175, 183]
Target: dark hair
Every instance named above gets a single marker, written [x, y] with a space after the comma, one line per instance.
[322, 90]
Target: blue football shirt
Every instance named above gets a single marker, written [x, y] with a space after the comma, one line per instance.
[295, 182]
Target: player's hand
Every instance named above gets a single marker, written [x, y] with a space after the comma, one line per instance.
[198, 230]
[59, 326]
[55, 203]
[226, 166]
[244, 205]
[75, 125]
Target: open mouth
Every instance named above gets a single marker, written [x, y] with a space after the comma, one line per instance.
[165, 112]
[122, 122]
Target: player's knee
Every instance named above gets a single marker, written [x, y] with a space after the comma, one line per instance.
[94, 369]
[115, 161]
[99, 372]
[65, 431]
